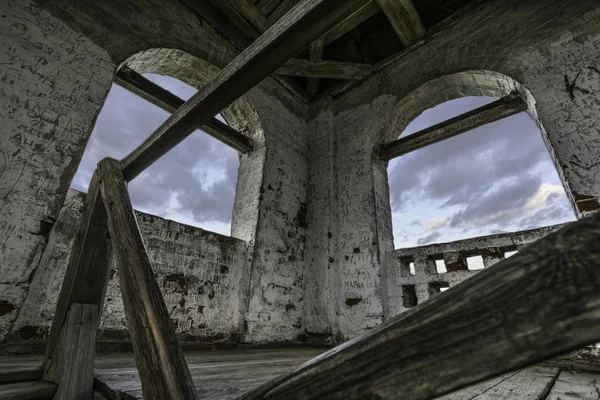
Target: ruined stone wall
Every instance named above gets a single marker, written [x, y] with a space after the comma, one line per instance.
[200, 274]
[53, 82]
[536, 48]
[408, 285]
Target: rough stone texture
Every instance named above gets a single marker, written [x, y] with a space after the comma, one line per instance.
[427, 280]
[200, 274]
[491, 47]
[53, 82]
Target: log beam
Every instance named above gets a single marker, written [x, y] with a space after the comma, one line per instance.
[503, 108]
[404, 18]
[160, 97]
[305, 23]
[315, 53]
[325, 69]
[535, 305]
[163, 371]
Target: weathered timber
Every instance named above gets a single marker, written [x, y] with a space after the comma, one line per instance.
[503, 108]
[404, 18]
[315, 52]
[150, 91]
[267, 6]
[86, 278]
[72, 368]
[233, 17]
[575, 386]
[21, 375]
[537, 304]
[282, 8]
[366, 11]
[252, 14]
[38, 390]
[295, 31]
[325, 69]
[163, 370]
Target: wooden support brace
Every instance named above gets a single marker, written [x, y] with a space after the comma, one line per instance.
[503, 108]
[163, 370]
[160, 97]
[305, 23]
[325, 69]
[404, 18]
[540, 303]
[72, 367]
[87, 275]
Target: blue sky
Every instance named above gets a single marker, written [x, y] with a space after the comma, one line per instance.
[498, 178]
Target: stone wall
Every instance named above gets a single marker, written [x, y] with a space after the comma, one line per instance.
[412, 275]
[53, 82]
[489, 48]
[201, 275]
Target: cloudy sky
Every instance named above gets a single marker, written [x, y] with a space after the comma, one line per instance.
[498, 178]
[193, 184]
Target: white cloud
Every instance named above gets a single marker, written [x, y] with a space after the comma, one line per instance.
[437, 222]
[544, 195]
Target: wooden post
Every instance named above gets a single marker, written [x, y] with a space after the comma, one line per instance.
[163, 370]
[73, 367]
[87, 274]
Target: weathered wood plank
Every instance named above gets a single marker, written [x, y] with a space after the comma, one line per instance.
[148, 90]
[325, 69]
[575, 386]
[72, 366]
[315, 54]
[404, 18]
[38, 390]
[252, 14]
[282, 8]
[267, 6]
[233, 17]
[21, 374]
[86, 278]
[363, 13]
[537, 304]
[503, 108]
[163, 370]
[290, 35]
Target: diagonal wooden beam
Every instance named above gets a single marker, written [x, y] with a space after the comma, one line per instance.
[404, 18]
[369, 9]
[305, 23]
[150, 91]
[535, 305]
[503, 108]
[324, 69]
[252, 14]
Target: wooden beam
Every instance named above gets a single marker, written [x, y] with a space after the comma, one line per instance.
[252, 14]
[38, 390]
[315, 52]
[282, 8]
[21, 374]
[535, 305]
[163, 371]
[233, 17]
[325, 69]
[300, 27]
[73, 367]
[267, 6]
[404, 18]
[87, 275]
[503, 108]
[368, 10]
[150, 91]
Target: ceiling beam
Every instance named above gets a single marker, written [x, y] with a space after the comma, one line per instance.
[290, 35]
[324, 69]
[368, 10]
[160, 97]
[503, 108]
[404, 18]
[252, 14]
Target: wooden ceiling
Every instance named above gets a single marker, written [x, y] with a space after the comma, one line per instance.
[380, 29]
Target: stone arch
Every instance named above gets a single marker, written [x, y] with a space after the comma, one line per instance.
[241, 115]
[453, 86]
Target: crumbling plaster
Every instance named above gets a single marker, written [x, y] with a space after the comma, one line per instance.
[536, 48]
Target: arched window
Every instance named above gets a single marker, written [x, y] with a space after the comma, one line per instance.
[496, 178]
[193, 184]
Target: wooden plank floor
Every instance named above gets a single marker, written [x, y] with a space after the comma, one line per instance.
[226, 374]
